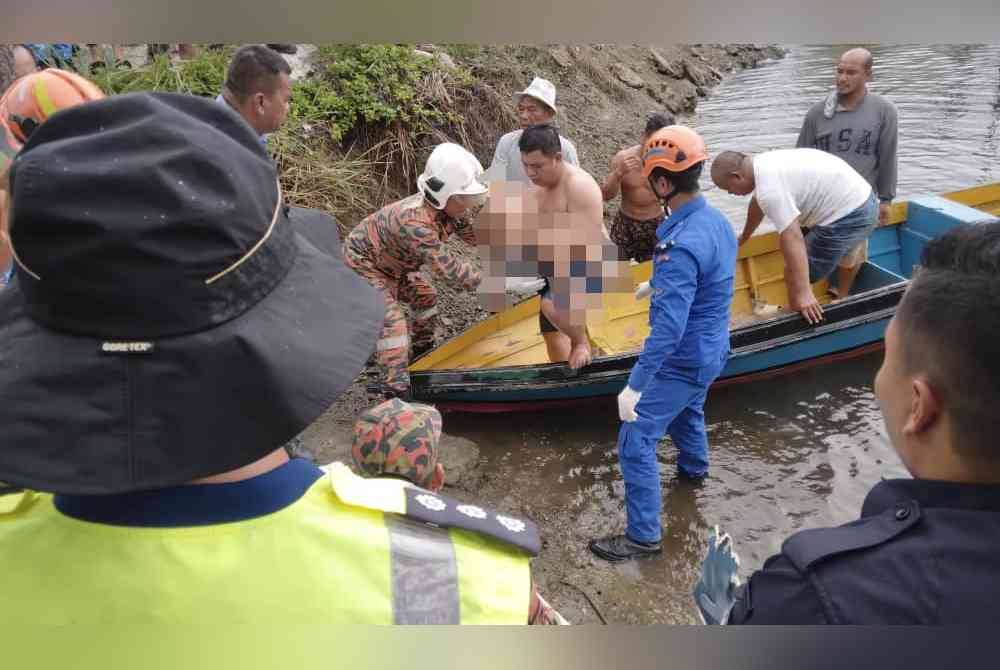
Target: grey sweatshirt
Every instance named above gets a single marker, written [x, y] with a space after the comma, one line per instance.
[865, 137]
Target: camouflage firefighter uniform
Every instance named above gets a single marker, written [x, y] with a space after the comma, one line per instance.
[388, 249]
[397, 438]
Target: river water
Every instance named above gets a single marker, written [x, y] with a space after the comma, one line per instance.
[947, 96]
[787, 454]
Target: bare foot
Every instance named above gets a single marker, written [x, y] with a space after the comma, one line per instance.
[580, 356]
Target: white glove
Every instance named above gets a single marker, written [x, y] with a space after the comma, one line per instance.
[627, 400]
[643, 290]
[524, 285]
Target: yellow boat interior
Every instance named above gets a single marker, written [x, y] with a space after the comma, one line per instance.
[512, 337]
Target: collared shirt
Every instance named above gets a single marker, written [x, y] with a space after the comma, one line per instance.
[693, 272]
[923, 552]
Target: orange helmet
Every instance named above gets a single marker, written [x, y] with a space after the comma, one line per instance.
[674, 148]
[35, 97]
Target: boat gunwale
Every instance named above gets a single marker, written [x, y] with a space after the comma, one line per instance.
[428, 383]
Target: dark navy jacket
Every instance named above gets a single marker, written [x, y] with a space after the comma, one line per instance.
[923, 552]
[694, 264]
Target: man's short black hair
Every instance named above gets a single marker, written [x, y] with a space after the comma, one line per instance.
[684, 182]
[254, 69]
[542, 137]
[658, 120]
[949, 329]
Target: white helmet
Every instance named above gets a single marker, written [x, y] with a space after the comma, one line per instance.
[450, 170]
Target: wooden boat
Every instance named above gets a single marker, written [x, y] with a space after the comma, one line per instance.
[500, 364]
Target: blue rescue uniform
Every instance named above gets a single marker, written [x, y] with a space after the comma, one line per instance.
[693, 267]
[923, 552]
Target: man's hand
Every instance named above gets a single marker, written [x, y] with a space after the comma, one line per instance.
[629, 163]
[744, 237]
[715, 591]
[580, 356]
[805, 303]
[884, 209]
[627, 400]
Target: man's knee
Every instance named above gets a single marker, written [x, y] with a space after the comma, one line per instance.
[637, 443]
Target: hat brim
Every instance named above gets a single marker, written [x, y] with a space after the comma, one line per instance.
[80, 421]
[532, 94]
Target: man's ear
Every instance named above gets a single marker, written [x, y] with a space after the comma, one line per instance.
[925, 408]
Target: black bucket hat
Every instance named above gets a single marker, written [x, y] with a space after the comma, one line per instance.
[170, 318]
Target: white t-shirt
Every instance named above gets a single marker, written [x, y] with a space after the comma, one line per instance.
[815, 186]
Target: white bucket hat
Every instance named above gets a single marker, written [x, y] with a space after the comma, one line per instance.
[541, 89]
[450, 170]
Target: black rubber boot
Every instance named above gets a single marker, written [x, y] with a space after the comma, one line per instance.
[684, 475]
[618, 548]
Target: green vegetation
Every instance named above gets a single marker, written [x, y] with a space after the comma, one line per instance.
[373, 85]
[360, 127]
[200, 76]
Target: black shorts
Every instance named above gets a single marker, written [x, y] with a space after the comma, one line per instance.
[544, 324]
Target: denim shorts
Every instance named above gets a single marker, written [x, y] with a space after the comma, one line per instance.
[826, 245]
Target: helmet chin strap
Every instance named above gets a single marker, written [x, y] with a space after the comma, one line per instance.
[666, 199]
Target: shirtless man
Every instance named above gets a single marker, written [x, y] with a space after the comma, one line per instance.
[571, 201]
[634, 227]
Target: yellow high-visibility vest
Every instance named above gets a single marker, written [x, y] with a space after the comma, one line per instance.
[321, 559]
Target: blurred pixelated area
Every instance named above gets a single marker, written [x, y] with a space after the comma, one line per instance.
[557, 254]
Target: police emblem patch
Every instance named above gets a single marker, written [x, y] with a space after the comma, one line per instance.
[431, 502]
[513, 525]
[472, 510]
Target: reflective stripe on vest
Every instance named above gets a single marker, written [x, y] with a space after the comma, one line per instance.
[424, 573]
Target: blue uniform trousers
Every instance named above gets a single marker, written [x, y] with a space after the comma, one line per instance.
[672, 404]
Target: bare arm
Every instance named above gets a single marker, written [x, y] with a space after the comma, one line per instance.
[584, 200]
[613, 182]
[800, 295]
[754, 216]
[586, 207]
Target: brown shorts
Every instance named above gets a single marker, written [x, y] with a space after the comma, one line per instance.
[635, 239]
